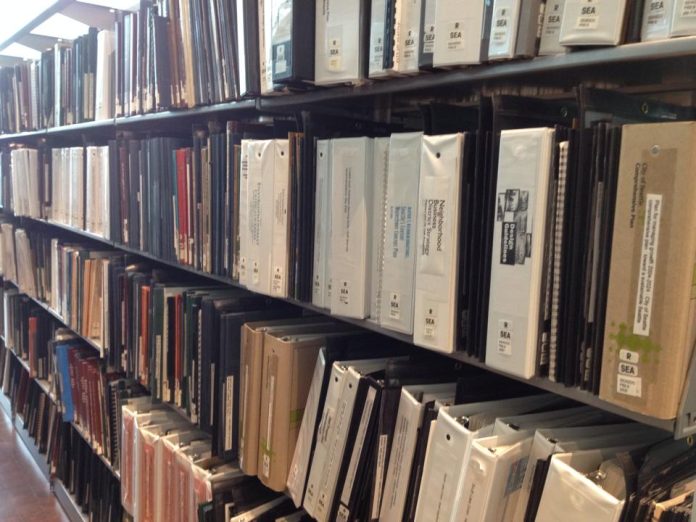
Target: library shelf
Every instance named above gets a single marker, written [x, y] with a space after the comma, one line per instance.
[38, 458]
[681, 427]
[67, 502]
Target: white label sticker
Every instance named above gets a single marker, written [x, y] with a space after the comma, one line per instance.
[648, 265]
[505, 337]
[410, 44]
[688, 8]
[429, 39]
[589, 16]
[255, 272]
[376, 45]
[379, 475]
[344, 293]
[455, 35]
[242, 267]
[629, 385]
[229, 407]
[278, 280]
[628, 369]
[342, 515]
[394, 306]
[430, 328]
[629, 356]
[281, 65]
[335, 54]
[553, 19]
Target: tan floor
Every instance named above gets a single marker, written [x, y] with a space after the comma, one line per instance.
[24, 492]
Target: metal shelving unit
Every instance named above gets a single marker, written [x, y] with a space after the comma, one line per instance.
[683, 426]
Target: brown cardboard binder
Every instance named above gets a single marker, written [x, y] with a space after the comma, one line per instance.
[649, 332]
[251, 365]
[288, 364]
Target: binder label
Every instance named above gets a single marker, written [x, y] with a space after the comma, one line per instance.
[629, 385]
[505, 337]
[589, 16]
[455, 35]
[429, 38]
[342, 515]
[281, 64]
[376, 45]
[500, 31]
[629, 356]
[344, 293]
[688, 8]
[553, 19]
[394, 309]
[430, 329]
[379, 475]
[335, 49]
[648, 265]
[410, 44]
[278, 280]
[229, 407]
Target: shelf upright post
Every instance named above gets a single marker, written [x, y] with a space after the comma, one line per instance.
[686, 419]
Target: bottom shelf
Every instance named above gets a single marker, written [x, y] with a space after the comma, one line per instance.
[33, 450]
[67, 502]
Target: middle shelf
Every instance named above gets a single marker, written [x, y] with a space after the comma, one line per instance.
[573, 393]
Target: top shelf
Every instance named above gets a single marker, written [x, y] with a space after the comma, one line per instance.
[643, 58]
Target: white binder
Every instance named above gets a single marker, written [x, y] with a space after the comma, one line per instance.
[488, 481]
[380, 167]
[104, 75]
[408, 422]
[406, 36]
[657, 20]
[338, 56]
[280, 218]
[504, 24]
[437, 236]
[321, 213]
[244, 213]
[683, 18]
[332, 431]
[592, 22]
[261, 158]
[458, 32]
[549, 43]
[398, 272]
[570, 496]
[548, 441]
[351, 201]
[377, 44]
[321, 449]
[517, 261]
[266, 46]
[462, 423]
[77, 186]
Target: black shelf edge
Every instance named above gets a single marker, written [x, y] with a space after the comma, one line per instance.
[67, 502]
[577, 59]
[576, 394]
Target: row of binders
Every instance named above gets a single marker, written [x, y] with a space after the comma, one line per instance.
[68, 453]
[394, 439]
[354, 428]
[179, 53]
[492, 241]
[169, 472]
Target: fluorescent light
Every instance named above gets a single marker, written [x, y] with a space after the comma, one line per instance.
[119, 5]
[60, 26]
[21, 51]
[19, 14]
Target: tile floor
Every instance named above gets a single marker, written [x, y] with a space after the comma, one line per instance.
[24, 492]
